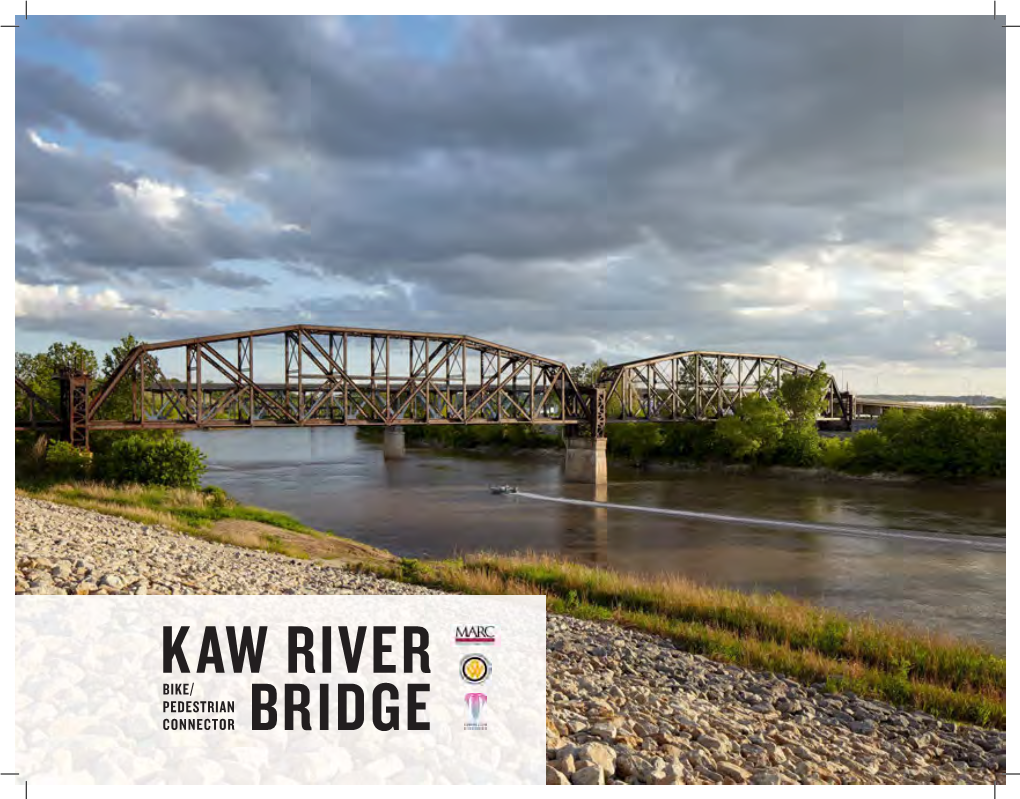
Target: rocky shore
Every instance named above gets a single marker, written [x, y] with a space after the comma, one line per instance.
[623, 707]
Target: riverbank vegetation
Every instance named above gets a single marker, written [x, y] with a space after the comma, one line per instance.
[149, 457]
[155, 458]
[952, 442]
[210, 514]
[766, 632]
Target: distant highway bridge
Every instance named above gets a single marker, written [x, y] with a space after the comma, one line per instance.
[306, 376]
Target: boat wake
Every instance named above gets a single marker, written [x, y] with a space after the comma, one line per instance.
[981, 543]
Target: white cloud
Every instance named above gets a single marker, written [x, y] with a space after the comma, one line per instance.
[52, 302]
[156, 200]
[963, 260]
[784, 288]
[104, 314]
[44, 145]
[954, 344]
[960, 264]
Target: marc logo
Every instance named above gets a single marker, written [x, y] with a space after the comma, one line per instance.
[475, 634]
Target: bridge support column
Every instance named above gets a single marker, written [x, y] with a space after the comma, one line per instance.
[74, 407]
[585, 461]
[393, 444]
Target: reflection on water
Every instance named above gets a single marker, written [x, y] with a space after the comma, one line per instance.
[435, 504]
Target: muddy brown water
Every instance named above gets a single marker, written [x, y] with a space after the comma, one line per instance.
[434, 504]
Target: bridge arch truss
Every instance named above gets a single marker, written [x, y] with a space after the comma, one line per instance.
[699, 385]
[309, 376]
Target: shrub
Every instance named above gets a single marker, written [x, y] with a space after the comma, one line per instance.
[952, 441]
[30, 455]
[753, 432]
[636, 440]
[835, 453]
[869, 452]
[217, 497]
[66, 462]
[688, 441]
[800, 445]
[150, 460]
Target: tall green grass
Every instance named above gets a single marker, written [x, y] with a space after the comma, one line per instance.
[766, 617]
[766, 632]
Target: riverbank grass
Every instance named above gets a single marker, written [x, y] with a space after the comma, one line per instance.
[210, 514]
[947, 678]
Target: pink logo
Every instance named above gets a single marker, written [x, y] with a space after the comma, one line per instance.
[475, 704]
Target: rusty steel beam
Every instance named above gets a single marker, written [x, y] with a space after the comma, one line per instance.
[352, 332]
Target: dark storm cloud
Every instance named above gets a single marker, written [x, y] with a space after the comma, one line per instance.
[559, 138]
[50, 97]
[561, 175]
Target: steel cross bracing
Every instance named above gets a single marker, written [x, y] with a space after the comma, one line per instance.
[698, 385]
[305, 375]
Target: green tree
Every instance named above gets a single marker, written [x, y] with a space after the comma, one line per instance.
[803, 396]
[118, 352]
[65, 462]
[753, 432]
[836, 453]
[119, 405]
[948, 442]
[868, 452]
[39, 371]
[586, 375]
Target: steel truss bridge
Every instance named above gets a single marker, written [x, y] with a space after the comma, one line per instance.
[703, 385]
[304, 376]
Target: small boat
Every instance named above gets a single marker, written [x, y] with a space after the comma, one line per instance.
[503, 489]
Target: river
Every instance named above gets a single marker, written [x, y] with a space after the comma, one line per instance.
[435, 504]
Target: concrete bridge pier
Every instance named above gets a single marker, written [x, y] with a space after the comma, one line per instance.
[585, 461]
[393, 444]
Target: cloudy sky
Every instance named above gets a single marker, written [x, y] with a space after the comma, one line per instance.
[581, 187]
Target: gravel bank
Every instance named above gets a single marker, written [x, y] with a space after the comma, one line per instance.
[622, 706]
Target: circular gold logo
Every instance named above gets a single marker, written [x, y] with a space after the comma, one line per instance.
[475, 669]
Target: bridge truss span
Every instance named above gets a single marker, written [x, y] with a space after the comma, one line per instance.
[701, 385]
[307, 376]
[304, 376]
